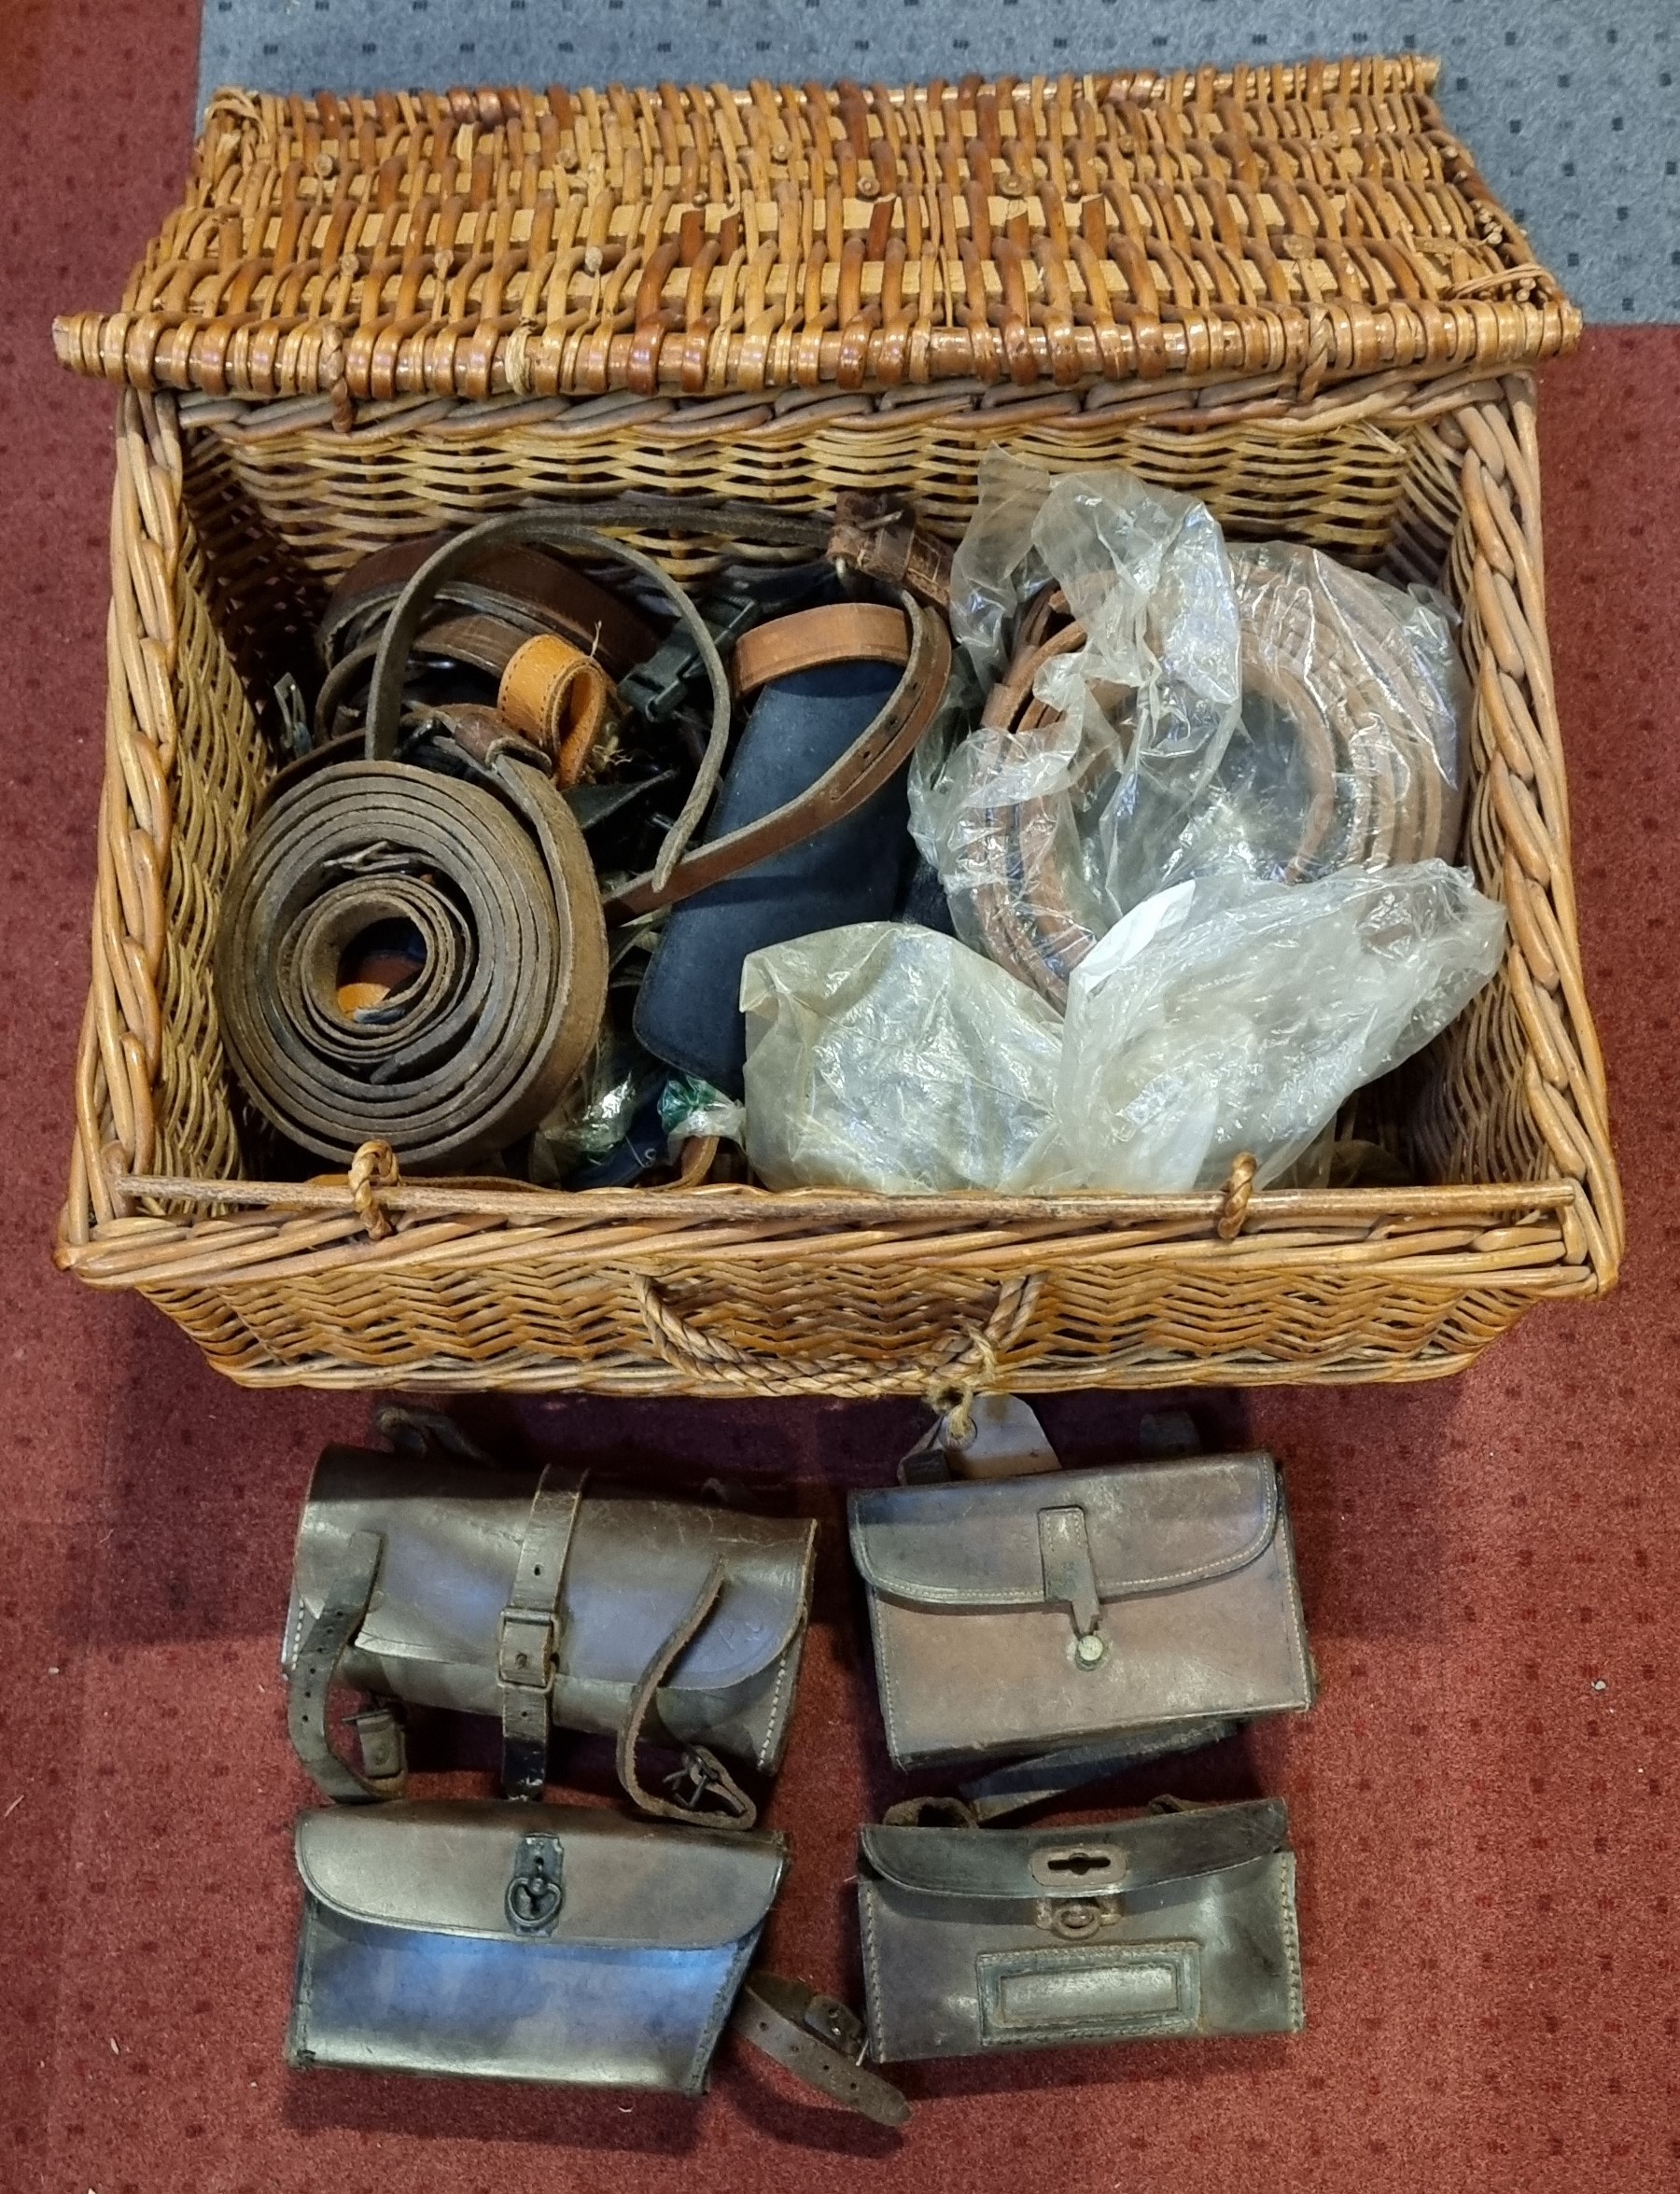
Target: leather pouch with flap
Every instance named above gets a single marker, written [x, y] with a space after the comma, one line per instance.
[1180, 1923]
[523, 1942]
[439, 1580]
[1025, 1613]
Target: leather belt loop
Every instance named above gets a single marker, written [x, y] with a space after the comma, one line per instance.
[557, 697]
[528, 1637]
[818, 2041]
[703, 1769]
[313, 1668]
[1071, 1577]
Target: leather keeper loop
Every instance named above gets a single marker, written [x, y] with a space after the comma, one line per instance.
[557, 697]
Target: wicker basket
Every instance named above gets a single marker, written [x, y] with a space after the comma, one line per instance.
[1286, 290]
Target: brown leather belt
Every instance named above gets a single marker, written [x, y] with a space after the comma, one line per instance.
[820, 2041]
[842, 631]
[493, 879]
[559, 597]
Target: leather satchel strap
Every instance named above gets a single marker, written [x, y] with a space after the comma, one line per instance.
[313, 1669]
[809, 639]
[818, 2041]
[702, 1770]
[1034, 1782]
[528, 1637]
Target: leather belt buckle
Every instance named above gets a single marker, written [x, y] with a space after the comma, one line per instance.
[528, 1648]
[838, 2026]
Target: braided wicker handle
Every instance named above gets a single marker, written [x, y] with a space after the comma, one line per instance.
[969, 1365]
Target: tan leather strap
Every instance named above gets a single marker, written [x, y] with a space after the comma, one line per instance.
[314, 1664]
[557, 697]
[873, 761]
[702, 1768]
[528, 1637]
[840, 632]
[818, 2041]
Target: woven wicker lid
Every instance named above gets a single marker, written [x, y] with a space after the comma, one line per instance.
[1315, 220]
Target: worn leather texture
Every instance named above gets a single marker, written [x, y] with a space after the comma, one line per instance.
[1176, 1923]
[633, 1568]
[410, 1958]
[1013, 1616]
[689, 1009]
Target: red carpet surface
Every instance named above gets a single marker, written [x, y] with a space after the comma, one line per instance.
[1485, 1801]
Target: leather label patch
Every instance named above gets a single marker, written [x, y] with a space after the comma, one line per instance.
[1110, 1992]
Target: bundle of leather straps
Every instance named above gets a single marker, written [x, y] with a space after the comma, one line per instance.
[413, 946]
[1355, 718]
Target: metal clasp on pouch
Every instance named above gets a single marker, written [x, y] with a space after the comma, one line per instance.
[535, 1890]
[1096, 1868]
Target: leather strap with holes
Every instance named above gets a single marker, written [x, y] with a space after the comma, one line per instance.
[309, 1688]
[818, 2041]
[527, 1637]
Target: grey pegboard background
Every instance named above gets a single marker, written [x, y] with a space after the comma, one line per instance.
[1571, 105]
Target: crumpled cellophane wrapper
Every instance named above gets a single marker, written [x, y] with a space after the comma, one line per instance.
[1259, 709]
[889, 1058]
[1228, 1015]
[1146, 705]
[1350, 749]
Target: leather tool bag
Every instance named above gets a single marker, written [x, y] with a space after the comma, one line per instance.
[1095, 1615]
[553, 1943]
[440, 1580]
[1179, 1923]
[523, 1942]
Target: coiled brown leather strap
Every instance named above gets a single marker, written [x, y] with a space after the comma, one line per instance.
[506, 1004]
[1318, 649]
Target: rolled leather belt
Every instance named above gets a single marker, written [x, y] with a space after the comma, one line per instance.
[506, 1005]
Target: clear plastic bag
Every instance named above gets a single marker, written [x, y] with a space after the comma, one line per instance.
[1122, 730]
[1226, 1015]
[1264, 710]
[891, 1058]
[1348, 751]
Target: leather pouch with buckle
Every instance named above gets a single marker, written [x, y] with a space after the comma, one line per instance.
[440, 1580]
[523, 1942]
[1180, 1923]
[1138, 1609]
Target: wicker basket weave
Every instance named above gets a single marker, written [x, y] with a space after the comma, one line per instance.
[1286, 290]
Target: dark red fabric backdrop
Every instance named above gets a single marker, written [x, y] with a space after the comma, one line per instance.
[1484, 1800]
